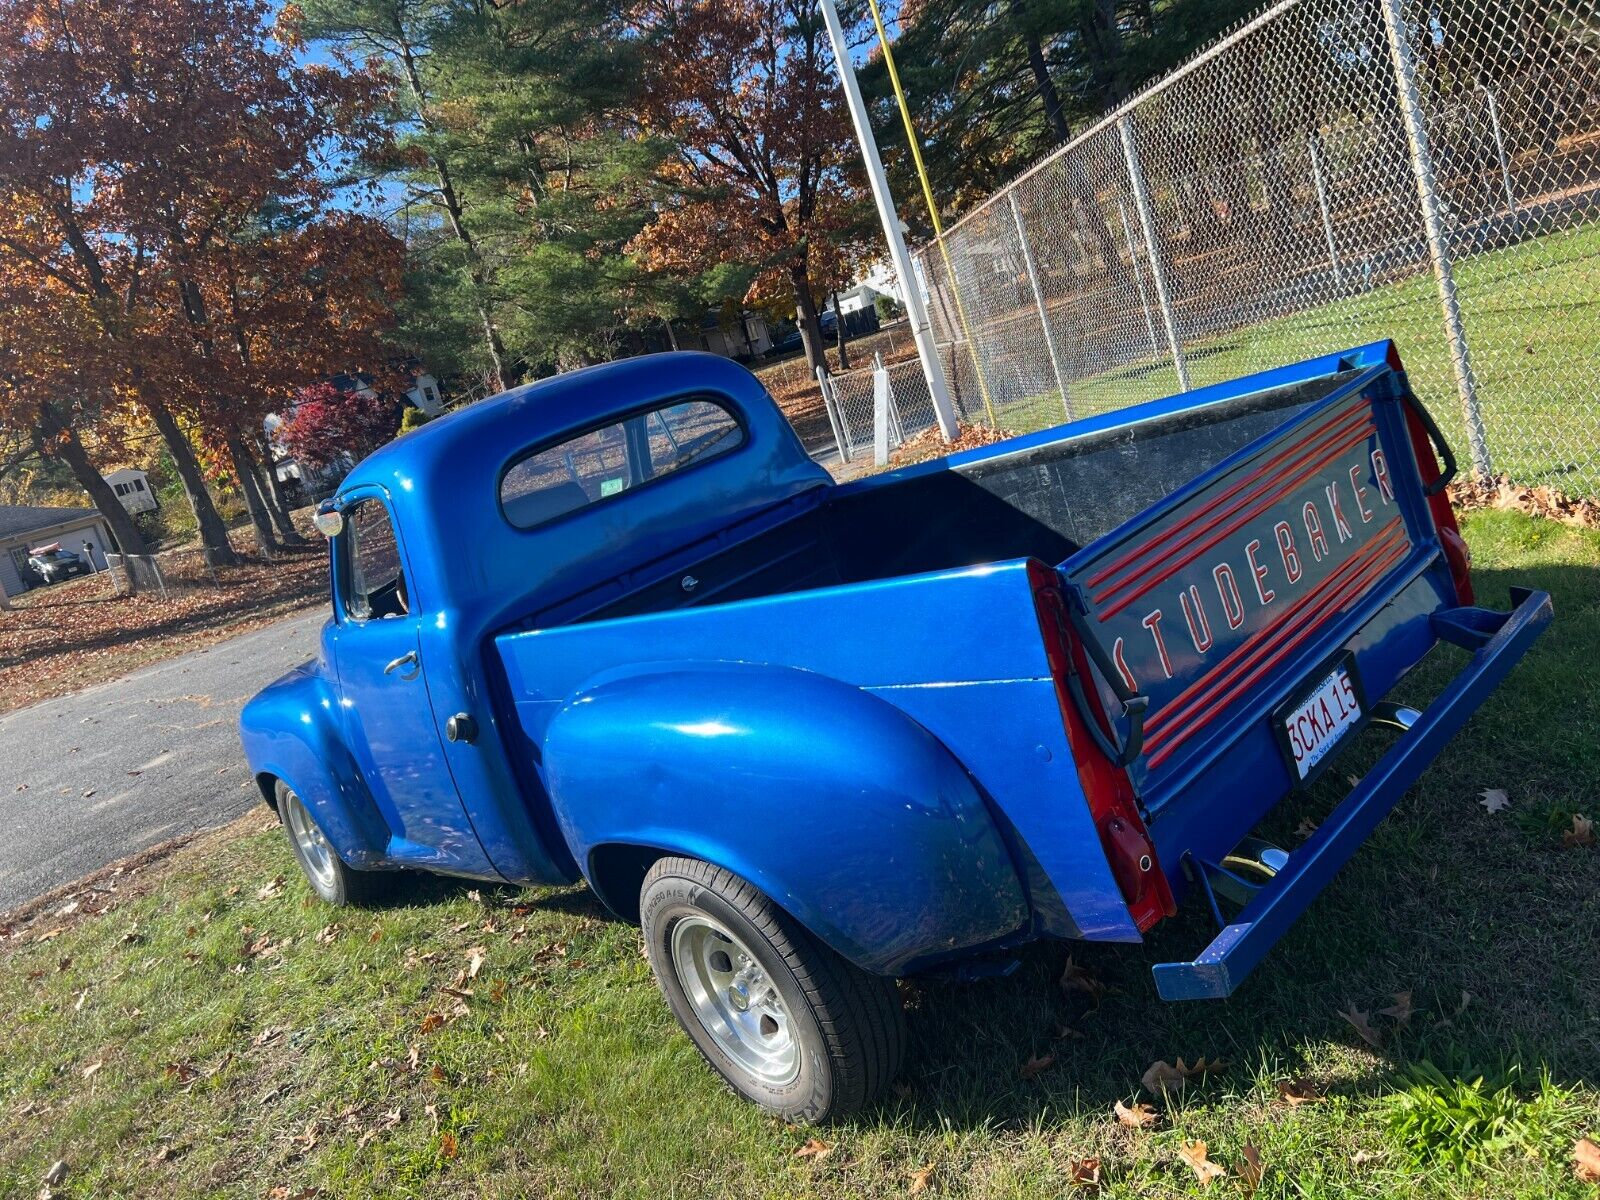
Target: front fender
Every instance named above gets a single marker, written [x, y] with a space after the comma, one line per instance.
[290, 730]
[847, 813]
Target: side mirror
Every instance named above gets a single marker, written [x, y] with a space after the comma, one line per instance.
[330, 523]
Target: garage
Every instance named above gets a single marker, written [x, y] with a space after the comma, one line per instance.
[23, 526]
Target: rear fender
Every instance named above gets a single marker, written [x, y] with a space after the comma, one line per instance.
[848, 814]
[290, 731]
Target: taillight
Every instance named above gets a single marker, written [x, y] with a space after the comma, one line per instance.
[1112, 803]
[1456, 554]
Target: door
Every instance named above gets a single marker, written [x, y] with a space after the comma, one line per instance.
[388, 718]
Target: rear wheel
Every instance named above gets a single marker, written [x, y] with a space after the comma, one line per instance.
[323, 868]
[789, 1024]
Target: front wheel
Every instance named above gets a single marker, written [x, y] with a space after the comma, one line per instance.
[324, 870]
[789, 1024]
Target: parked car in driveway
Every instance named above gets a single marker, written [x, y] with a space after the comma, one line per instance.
[815, 737]
[53, 563]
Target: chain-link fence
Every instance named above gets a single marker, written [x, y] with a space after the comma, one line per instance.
[1329, 174]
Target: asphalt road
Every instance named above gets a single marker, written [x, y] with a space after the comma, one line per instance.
[93, 777]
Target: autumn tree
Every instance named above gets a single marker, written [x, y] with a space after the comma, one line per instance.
[143, 142]
[328, 426]
[745, 92]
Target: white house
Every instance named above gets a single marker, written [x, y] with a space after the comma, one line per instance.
[424, 394]
[24, 526]
[745, 338]
[132, 487]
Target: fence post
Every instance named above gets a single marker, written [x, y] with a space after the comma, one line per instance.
[1318, 178]
[1138, 278]
[825, 385]
[1500, 147]
[1158, 271]
[1405, 77]
[1038, 299]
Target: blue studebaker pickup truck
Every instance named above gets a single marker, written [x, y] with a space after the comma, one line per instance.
[813, 736]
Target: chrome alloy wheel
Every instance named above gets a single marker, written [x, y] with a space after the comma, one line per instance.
[315, 852]
[736, 1002]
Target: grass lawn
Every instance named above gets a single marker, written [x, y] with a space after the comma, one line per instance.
[1532, 315]
[202, 1028]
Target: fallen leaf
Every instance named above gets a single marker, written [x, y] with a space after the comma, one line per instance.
[475, 961]
[1581, 833]
[1137, 1117]
[270, 1034]
[164, 1154]
[1494, 799]
[920, 1178]
[1358, 1019]
[1084, 1172]
[1194, 1153]
[180, 1072]
[1400, 1010]
[57, 1174]
[1079, 979]
[269, 890]
[1361, 1158]
[447, 1145]
[431, 1022]
[1162, 1075]
[1251, 1169]
[814, 1148]
[93, 1067]
[437, 1074]
[1034, 1066]
[1586, 1160]
[1296, 1092]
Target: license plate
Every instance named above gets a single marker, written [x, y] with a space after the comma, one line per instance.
[1313, 726]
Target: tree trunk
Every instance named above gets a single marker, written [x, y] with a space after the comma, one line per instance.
[272, 493]
[1042, 83]
[806, 315]
[219, 551]
[260, 518]
[839, 333]
[672, 336]
[55, 437]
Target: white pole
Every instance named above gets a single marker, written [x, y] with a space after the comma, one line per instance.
[916, 311]
[1038, 300]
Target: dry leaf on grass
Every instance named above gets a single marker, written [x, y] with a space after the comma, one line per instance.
[1296, 1092]
[93, 1067]
[1586, 1160]
[447, 1145]
[1581, 833]
[1079, 979]
[1194, 1153]
[269, 890]
[1162, 1075]
[1084, 1172]
[1034, 1066]
[1139, 1116]
[1362, 1026]
[1250, 1169]
[1494, 799]
[921, 1178]
[814, 1148]
[1400, 1010]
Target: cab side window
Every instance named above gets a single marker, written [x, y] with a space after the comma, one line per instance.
[374, 584]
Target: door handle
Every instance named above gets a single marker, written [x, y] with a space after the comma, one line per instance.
[408, 658]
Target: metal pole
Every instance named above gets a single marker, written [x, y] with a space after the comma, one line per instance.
[1138, 278]
[1158, 272]
[1500, 147]
[916, 312]
[1038, 298]
[1405, 77]
[825, 385]
[1320, 180]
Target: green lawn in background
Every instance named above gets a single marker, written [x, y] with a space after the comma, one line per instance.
[1532, 315]
[223, 1036]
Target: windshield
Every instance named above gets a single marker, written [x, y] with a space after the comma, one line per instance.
[57, 556]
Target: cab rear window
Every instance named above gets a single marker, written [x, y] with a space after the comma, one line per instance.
[554, 481]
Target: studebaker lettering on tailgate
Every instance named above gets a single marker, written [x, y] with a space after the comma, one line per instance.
[616, 626]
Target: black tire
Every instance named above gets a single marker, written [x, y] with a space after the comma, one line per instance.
[330, 878]
[847, 1024]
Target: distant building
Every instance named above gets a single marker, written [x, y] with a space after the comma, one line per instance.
[23, 527]
[744, 338]
[132, 487]
[863, 295]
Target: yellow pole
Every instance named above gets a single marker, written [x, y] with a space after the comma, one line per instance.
[933, 209]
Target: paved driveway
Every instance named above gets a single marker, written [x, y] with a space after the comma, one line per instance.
[91, 778]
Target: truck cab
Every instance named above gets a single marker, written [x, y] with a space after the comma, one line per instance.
[616, 626]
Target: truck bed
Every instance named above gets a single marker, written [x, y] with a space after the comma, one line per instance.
[1044, 497]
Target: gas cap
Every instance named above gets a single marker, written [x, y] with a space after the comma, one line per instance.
[461, 728]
